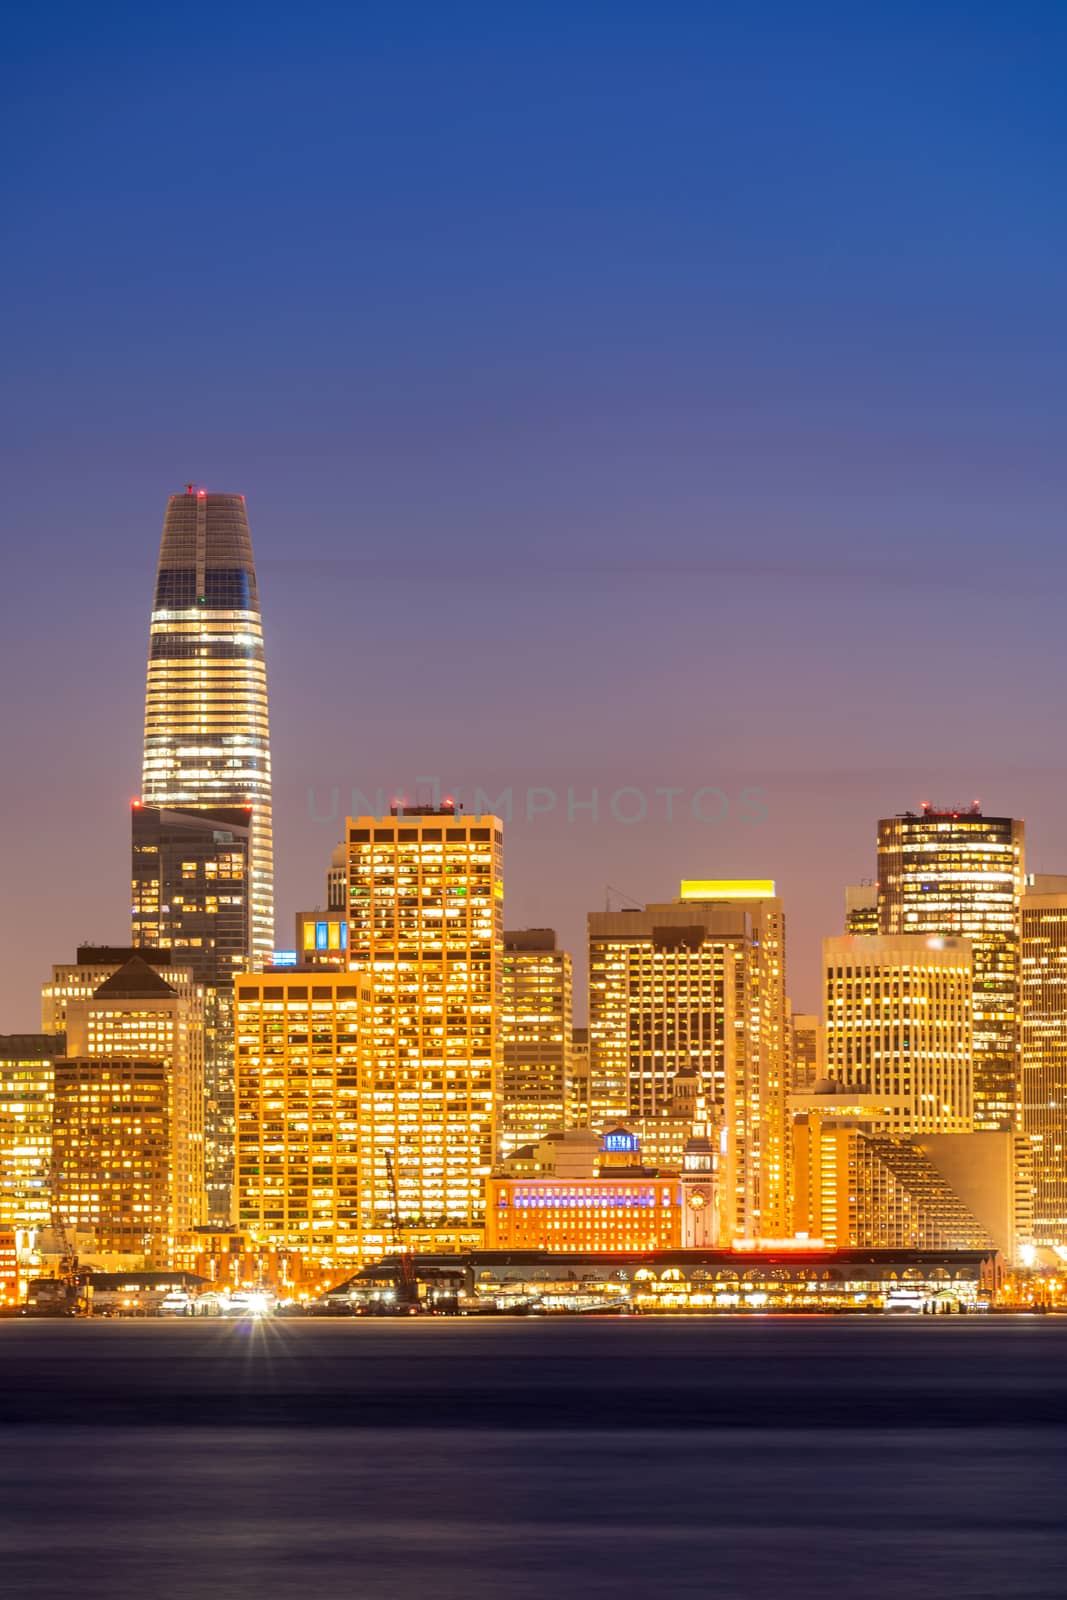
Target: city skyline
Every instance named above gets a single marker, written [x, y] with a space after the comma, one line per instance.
[533, 341]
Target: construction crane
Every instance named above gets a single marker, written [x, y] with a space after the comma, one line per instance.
[407, 1288]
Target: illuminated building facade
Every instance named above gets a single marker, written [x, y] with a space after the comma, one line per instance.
[322, 938]
[961, 873]
[536, 1037]
[112, 1143]
[136, 1021]
[303, 1048]
[191, 890]
[704, 1279]
[855, 1187]
[898, 1026]
[615, 1205]
[27, 1070]
[426, 926]
[698, 986]
[1044, 1060]
[80, 979]
[206, 731]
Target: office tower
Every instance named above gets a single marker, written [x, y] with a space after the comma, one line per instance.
[192, 896]
[854, 1188]
[898, 1027]
[303, 1044]
[426, 925]
[79, 979]
[206, 732]
[27, 1070]
[113, 1153]
[807, 1058]
[578, 1107]
[861, 908]
[1044, 1058]
[698, 985]
[961, 873]
[135, 1021]
[536, 1037]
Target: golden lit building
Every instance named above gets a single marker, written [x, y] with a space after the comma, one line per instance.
[27, 1070]
[898, 1026]
[536, 1037]
[698, 985]
[610, 1202]
[135, 1019]
[303, 1045]
[1044, 1059]
[426, 926]
[112, 1142]
[80, 979]
[206, 731]
[855, 1188]
[960, 874]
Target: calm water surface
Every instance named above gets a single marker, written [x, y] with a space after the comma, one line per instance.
[722, 1457]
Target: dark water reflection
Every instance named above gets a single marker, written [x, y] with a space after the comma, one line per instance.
[241, 1498]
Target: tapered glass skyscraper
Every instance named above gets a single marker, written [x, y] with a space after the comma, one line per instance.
[206, 735]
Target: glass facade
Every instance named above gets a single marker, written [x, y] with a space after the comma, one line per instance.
[961, 873]
[206, 735]
[191, 895]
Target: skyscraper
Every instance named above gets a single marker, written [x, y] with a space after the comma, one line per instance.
[303, 1041]
[425, 893]
[698, 986]
[961, 873]
[1044, 1057]
[898, 1026]
[191, 896]
[206, 731]
[536, 1037]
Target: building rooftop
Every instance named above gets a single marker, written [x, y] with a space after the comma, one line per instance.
[134, 981]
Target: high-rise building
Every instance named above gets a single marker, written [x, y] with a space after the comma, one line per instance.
[699, 986]
[536, 1029]
[191, 888]
[113, 1144]
[1044, 1058]
[135, 1021]
[899, 1026]
[861, 908]
[206, 731]
[961, 873]
[27, 1072]
[426, 925]
[303, 1088]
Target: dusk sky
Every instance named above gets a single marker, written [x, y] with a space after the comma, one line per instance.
[625, 396]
